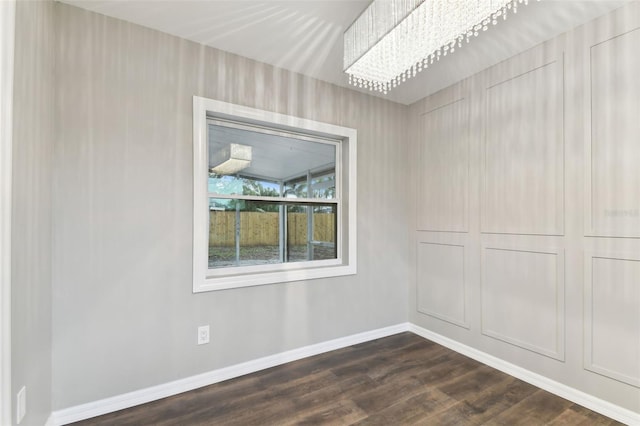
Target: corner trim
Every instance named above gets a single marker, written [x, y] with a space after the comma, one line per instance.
[7, 40]
[589, 401]
[142, 396]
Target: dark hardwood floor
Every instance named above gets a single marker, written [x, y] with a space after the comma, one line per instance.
[402, 379]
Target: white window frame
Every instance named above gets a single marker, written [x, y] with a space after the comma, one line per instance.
[205, 279]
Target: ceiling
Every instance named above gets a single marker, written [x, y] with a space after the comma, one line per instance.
[305, 36]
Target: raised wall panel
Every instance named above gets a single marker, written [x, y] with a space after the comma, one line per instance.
[444, 168]
[613, 152]
[612, 316]
[523, 298]
[441, 282]
[523, 170]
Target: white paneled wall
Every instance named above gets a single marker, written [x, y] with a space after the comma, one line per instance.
[613, 149]
[442, 293]
[523, 164]
[444, 177]
[612, 316]
[527, 210]
[522, 287]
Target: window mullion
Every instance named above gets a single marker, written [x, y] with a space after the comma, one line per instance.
[282, 227]
[309, 219]
[237, 234]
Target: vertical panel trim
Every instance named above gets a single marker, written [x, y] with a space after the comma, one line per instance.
[467, 192]
[589, 228]
[465, 321]
[589, 320]
[560, 160]
[7, 40]
[559, 352]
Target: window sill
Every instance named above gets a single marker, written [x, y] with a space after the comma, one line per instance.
[259, 278]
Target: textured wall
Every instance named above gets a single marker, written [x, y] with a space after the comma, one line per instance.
[33, 133]
[124, 314]
[524, 174]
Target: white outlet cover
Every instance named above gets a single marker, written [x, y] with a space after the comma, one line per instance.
[21, 404]
[203, 334]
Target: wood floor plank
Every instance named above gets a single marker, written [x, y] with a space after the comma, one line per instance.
[303, 385]
[398, 380]
[415, 409]
[407, 365]
[314, 404]
[580, 416]
[343, 389]
[446, 368]
[387, 394]
[343, 412]
[487, 403]
[470, 384]
[539, 409]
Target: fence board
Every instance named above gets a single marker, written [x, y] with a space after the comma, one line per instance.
[261, 228]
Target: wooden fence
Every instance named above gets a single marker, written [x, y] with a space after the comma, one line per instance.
[261, 228]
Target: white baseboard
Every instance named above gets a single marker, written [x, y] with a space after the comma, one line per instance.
[589, 401]
[142, 396]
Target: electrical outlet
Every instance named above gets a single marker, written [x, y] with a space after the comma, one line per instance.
[203, 334]
[21, 404]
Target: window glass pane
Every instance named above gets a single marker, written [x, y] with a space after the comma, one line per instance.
[323, 185]
[322, 224]
[296, 188]
[313, 185]
[245, 233]
[251, 162]
[241, 185]
[260, 187]
[224, 185]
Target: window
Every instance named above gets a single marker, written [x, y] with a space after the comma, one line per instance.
[274, 197]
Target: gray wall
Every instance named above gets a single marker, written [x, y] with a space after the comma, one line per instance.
[33, 129]
[124, 314]
[526, 233]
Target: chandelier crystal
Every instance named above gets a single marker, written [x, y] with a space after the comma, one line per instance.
[393, 40]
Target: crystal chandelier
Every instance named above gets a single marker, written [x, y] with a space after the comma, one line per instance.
[393, 40]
